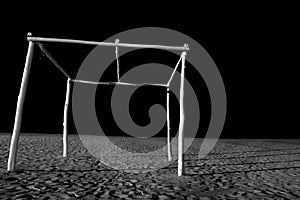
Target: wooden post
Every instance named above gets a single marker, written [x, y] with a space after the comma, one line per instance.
[65, 124]
[168, 126]
[181, 123]
[18, 116]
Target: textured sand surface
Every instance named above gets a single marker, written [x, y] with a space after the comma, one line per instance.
[234, 169]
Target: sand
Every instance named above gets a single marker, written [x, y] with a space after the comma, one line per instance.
[234, 169]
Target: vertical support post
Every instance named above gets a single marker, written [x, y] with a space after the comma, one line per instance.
[65, 134]
[18, 116]
[181, 123]
[117, 58]
[168, 126]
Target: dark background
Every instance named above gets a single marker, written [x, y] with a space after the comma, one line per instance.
[254, 51]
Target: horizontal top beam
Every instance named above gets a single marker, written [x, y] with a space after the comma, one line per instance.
[185, 47]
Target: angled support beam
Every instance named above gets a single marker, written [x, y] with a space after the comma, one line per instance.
[53, 60]
[174, 71]
[18, 117]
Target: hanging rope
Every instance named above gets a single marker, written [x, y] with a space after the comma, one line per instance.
[117, 58]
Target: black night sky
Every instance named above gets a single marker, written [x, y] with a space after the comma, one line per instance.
[253, 54]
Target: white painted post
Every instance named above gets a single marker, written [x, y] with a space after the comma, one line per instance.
[181, 123]
[168, 126]
[18, 116]
[65, 134]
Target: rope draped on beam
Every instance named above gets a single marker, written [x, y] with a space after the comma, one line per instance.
[118, 83]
